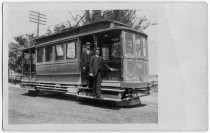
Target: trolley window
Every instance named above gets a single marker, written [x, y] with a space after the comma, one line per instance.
[116, 50]
[71, 50]
[40, 55]
[135, 45]
[137, 42]
[59, 48]
[144, 47]
[26, 61]
[49, 53]
[129, 45]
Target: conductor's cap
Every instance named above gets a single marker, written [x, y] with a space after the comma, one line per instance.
[97, 48]
[87, 43]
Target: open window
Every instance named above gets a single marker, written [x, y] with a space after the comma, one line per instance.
[40, 53]
[48, 53]
[26, 62]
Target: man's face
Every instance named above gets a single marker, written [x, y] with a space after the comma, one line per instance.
[97, 52]
[88, 47]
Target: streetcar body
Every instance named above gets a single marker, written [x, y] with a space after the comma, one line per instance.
[53, 64]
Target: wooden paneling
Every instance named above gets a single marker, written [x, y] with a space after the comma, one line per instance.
[44, 69]
[70, 67]
[68, 79]
[135, 70]
[65, 68]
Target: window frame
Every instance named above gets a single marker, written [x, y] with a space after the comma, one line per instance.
[139, 50]
[64, 45]
[46, 53]
[75, 48]
[118, 44]
[125, 52]
[135, 54]
[37, 58]
[146, 47]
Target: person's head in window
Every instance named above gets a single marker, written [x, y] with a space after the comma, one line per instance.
[88, 46]
[97, 51]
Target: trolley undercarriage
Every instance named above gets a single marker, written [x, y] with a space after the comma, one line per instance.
[123, 97]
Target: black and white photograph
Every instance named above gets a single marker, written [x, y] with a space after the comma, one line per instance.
[92, 64]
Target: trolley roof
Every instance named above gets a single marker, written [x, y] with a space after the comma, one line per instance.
[92, 28]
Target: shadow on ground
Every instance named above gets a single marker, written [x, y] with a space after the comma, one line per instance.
[89, 102]
[74, 98]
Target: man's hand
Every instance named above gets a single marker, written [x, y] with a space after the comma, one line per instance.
[91, 74]
[116, 69]
[84, 68]
[113, 69]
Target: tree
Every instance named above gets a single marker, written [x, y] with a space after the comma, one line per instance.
[15, 57]
[128, 17]
[95, 16]
[59, 28]
[15, 53]
[49, 32]
[124, 16]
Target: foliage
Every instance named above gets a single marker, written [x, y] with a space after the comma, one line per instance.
[59, 28]
[49, 32]
[15, 53]
[128, 17]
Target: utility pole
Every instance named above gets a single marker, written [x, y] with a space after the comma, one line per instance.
[38, 18]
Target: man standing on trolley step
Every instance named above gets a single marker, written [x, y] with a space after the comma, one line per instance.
[95, 73]
[85, 61]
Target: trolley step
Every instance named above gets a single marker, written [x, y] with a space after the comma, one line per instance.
[51, 89]
[104, 89]
[100, 99]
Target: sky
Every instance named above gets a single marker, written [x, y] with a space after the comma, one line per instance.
[16, 21]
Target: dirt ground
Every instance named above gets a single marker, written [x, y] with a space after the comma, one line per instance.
[24, 109]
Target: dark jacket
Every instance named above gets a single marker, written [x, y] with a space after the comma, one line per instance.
[85, 59]
[95, 64]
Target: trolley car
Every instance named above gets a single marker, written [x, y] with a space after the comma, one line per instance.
[53, 63]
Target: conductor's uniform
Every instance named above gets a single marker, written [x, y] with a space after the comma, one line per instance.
[95, 70]
[85, 60]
